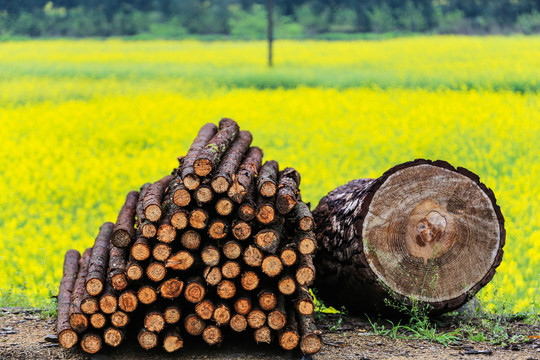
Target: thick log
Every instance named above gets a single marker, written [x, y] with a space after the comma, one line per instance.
[128, 301]
[277, 318]
[191, 239]
[154, 321]
[147, 339]
[166, 233]
[108, 302]
[198, 219]
[89, 304]
[212, 335]
[224, 206]
[226, 289]
[287, 285]
[140, 250]
[123, 233]
[307, 243]
[222, 314]
[230, 269]
[238, 323]
[231, 161]
[154, 197]
[119, 319]
[67, 336]
[267, 299]
[210, 155]
[303, 301]
[156, 271]
[272, 266]
[179, 193]
[182, 260]
[210, 255]
[171, 288]
[267, 181]
[212, 275]
[311, 338]
[91, 343]
[424, 230]
[194, 325]
[172, 314]
[256, 318]
[147, 294]
[117, 267]
[303, 217]
[241, 230]
[161, 252]
[305, 273]
[232, 250]
[253, 256]
[187, 173]
[268, 239]
[289, 336]
[113, 336]
[205, 309]
[204, 193]
[173, 340]
[218, 229]
[250, 280]
[145, 226]
[98, 320]
[247, 209]
[77, 320]
[99, 261]
[195, 289]
[289, 181]
[288, 254]
[245, 175]
[263, 335]
[179, 218]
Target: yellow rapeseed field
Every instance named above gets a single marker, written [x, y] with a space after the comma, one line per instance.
[84, 122]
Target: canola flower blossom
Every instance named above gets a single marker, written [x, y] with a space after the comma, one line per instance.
[84, 122]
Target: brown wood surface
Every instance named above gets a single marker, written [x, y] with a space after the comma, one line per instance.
[210, 155]
[67, 337]
[187, 173]
[245, 175]
[99, 261]
[231, 161]
[267, 181]
[77, 320]
[154, 197]
[123, 233]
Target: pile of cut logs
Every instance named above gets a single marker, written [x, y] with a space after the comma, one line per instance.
[222, 246]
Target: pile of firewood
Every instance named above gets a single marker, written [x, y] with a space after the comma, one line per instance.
[222, 246]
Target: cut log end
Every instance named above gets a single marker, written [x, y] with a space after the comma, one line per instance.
[119, 319]
[220, 184]
[153, 212]
[238, 323]
[121, 238]
[147, 295]
[68, 338]
[268, 189]
[222, 314]
[98, 320]
[226, 289]
[94, 287]
[202, 167]
[113, 337]
[172, 342]
[128, 301]
[154, 322]
[182, 260]
[182, 197]
[78, 322]
[171, 288]
[91, 343]
[205, 309]
[212, 335]
[250, 280]
[194, 325]
[172, 315]
[311, 344]
[224, 206]
[263, 335]
[288, 340]
[147, 339]
[191, 240]
[191, 182]
[272, 266]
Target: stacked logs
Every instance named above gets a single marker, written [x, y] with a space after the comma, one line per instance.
[224, 245]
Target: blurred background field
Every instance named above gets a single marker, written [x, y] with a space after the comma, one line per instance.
[84, 121]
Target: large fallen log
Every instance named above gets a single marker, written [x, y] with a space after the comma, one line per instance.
[422, 232]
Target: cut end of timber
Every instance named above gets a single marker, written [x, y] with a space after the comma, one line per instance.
[250, 280]
[241, 230]
[153, 212]
[224, 207]
[202, 167]
[128, 301]
[172, 343]
[220, 184]
[263, 335]
[212, 335]
[147, 295]
[191, 182]
[266, 214]
[91, 343]
[171, 315]
[149, 230]
[310, 344]
[94, 287]
[307, 246]
[68, 338]
[78, 322]
[171, 288]
[113, 337]
[238, 323]
[305, 276]
[121, 238]
[148, 340]
[285, 203]
[119, 281]
[194, 325]
[182, 197]
[98, 320]
[272, 266]
[268, 189]
[226, 289]
[289, 340]
[287, 286]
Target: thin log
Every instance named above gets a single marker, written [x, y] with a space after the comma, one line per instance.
[250, 280]
[205, 309]
[256, 318]
[303, 217]
[179, 193]
[187, 173]
[156, 271]
[269, 239]
[166, 233]
[287, 285]
[66, 336]
[154, 321]
[263, 335]
[108, 302]
[289, 336]
[289, 181]
[113, 336]
[218, 229]
[266, 212]
[223, 176]
[134, 270]
[204, 193]
[307, 243]
[267, 299]
[303, 301]
[198, 219]
[128, 301]
[247, 209]
[211, 154]
[311, 338]
[123, 233]
[89, 304]
[232, 250]
[267, 181]
[179, 218]
[161, 252]
[210, 255]
[91, 343]
[154, 197]
[191, 239]
[172, 314]
[242, 304]
[195, 290]
[148, 229]
[226, 289]
[77, 320]
[99, 261]
[212, 275]
[119, 319]
[305, 274]
[117, 267]
[253, 256]
[245, 175]
[140, 250]
[171, 288]
[145, 226]
[212, 335]
[277, 319]
[238, 323]
[224, 206]
[271, 265]
[182, 260]
[147, 294]
[222, 314]
[230, 269]
[98, 320]
[147, 339]
[194, 325]
[288, 255]
[241, 230]
[173, 340]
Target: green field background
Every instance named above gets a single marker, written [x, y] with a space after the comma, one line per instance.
[83, 122]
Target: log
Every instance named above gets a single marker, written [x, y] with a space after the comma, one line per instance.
[89, 304]
[179, 193]
[226, 289]
[238, 323]
[267, 181]
[77, 320]
[245, 175]
[267, 300]
[67, 337]
[250, 280]
[263, 335]
[303, 301]
[156, 271]
[241, 230]
[256, 318]
[117, 267]
[198, 219]
[230, 269]
[147, 294]
[154, 197]
[266, 212]
[191, 240]
[253, 256]
[311, 338]
[212, 275]
[171, 288]
[210, 255]
[272, 266]
[187, 173]
[154, 321]
[99, 261]
[305, 273]
[140, 250]
[145, 226]
[212, 335]
[247, 209]
[194, 325]
[288, 336]
[289, 181]
[173, 340]
[218, 229]
[307, 243]
[205, 309]
[224, 206]
[231, 161]
[242, 305]
[287, 285]
[108, 302]
[268, 239]
[222, 314]
[182, 260]
[303, 217]
[179, 218]
[172, 314]
[195, 289]
[161, 252]
[134, 270]
[113, 336]
[424, 230]
[166, 233]
[123, 233]
[277, 318]
[204, 193]
[91, 343]
[288, 255]
[210, 155]
[119, 319]
[232, 250]
[128, 301]
[98, 320]
[147, 339]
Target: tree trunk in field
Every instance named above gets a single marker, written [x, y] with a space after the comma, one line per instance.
[423, 231]
[66, 336]
[124, 230]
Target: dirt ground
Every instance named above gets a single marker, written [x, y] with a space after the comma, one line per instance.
[23, 336]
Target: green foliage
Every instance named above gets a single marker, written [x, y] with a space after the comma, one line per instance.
[382, 19]
[313, 21]
[411, 17]
[449, 22]
[529, 23]
[248, 25]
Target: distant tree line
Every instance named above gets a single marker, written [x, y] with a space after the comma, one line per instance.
[247, 19]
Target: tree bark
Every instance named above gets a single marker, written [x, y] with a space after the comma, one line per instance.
[187, 173]
[311, 340]
[231, 161]
[210, 155]
[77, 320]
[117, 267]
[289, 181]
[424, 232]
[123, 233]
[145, 226]
[267, 181]
[154, 197]
[245, 175]
[66, 336]
[99, 261]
